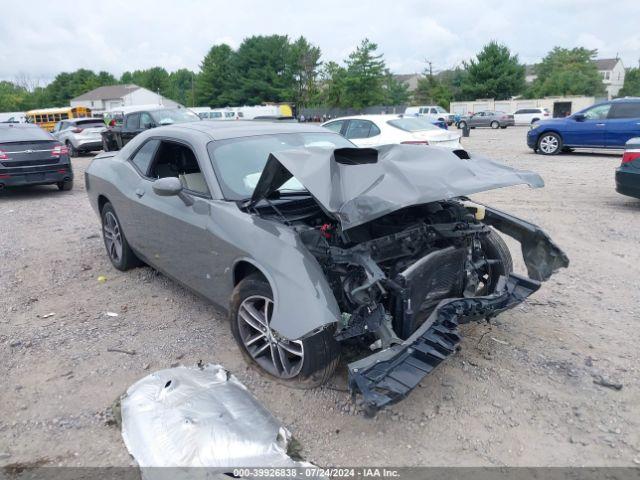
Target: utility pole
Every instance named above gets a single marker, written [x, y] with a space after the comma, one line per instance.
[428, 62]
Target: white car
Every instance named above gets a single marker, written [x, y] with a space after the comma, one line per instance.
[434, 113]
[376, 130]
[528, 116]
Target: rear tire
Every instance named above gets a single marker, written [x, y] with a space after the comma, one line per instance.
[118, 249]
[315, 358]
[65, 186]
[72, 150]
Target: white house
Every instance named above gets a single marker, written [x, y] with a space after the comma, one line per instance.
[114, 96]
[612, 71]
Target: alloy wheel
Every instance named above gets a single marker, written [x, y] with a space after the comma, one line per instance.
[112, 236]
[279, 356]
[549, 144]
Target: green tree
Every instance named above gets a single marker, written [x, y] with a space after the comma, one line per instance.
[304, 64]
[216, 82]
[13, 98]
[567, 72]
[631, 87]
[432, 91]
[396, 92]
[365, 75]
[182, 87]
[494, 73]
[263, 73]
[155, 79]
[332, 85]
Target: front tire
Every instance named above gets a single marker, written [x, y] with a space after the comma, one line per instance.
[305, 363]
[494, 248]
[549, 143]
[118, 249]
[495, 125]
[462, 125]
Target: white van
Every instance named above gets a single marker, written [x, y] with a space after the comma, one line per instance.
[433, 113]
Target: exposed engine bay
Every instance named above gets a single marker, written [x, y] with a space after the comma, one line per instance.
[389, 274]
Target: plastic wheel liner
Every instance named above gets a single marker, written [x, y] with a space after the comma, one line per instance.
[388, 376]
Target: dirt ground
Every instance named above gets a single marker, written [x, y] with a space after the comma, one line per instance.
[520, 392]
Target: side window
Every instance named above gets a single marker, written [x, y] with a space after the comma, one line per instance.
[358, 129]
[145, 120]
[599, 112]
[174, 159]
[433, 110]
[374, 130]
[625, 110]
[335, 126]
[132, 122]
[518, 112]
[142, 158]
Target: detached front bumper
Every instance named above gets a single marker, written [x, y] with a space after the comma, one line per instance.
[388, 376]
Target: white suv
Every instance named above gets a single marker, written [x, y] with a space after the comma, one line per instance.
[527, 116]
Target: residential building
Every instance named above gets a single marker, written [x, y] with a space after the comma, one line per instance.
[612, 72]
[109, 97]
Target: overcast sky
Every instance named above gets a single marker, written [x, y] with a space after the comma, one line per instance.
[39, 39]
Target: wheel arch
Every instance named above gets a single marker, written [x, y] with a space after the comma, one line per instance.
[102, 201]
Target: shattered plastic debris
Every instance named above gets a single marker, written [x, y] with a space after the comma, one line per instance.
[111, 314]
[48, 315]
[102, 279]
[201, 417]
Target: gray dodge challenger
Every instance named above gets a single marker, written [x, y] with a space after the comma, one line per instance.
[316, 246]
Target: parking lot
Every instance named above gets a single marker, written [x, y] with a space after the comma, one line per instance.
[522, 391]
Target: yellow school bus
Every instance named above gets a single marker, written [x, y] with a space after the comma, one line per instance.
[47, 118]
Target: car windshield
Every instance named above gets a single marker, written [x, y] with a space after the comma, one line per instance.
[440, 110]
[89, 123]
[239, 162]
[412, 124]
[174, 115]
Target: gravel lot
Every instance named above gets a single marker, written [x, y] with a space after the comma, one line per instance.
[520, 392]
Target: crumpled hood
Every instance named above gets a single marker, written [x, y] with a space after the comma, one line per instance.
[357, 185]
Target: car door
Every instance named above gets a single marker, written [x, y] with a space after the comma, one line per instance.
[475, 120]
[363, 133]
[587, 128]
[172, 235]
[130, 128]
[336, 126]
[623, 123]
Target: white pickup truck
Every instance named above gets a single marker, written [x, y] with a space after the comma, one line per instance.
[431, 112]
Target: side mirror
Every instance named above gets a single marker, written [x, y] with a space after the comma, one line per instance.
[579, 117]
[148, 125]
[170, 187]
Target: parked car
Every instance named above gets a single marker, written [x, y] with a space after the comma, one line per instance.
[527, 116]
[312, 241]
[628, 174]
[134, 122]
[31, 156]
[375, 130]
[80, 134]
[432, 112]
[603, 125]
[487, 118]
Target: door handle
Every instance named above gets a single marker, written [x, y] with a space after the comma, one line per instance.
[139, 192]
[599, 124]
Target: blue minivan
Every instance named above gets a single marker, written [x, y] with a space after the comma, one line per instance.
[604, 125]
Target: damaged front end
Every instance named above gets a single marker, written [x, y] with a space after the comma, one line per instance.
[407, 256]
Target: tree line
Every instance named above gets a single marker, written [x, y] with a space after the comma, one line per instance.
[276, 68]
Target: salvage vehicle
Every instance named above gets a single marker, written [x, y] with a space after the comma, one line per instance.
[134, 122]
[314, 243]
[376, 130]
[628, 173]
[31, 156]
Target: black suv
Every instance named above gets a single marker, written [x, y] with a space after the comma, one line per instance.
[125, 127]
[31, 156]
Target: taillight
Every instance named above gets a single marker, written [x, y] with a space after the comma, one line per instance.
[3, 155]
[545, 114]
[630, 155]
[59, 150]
[77, 130]
[415, 142]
